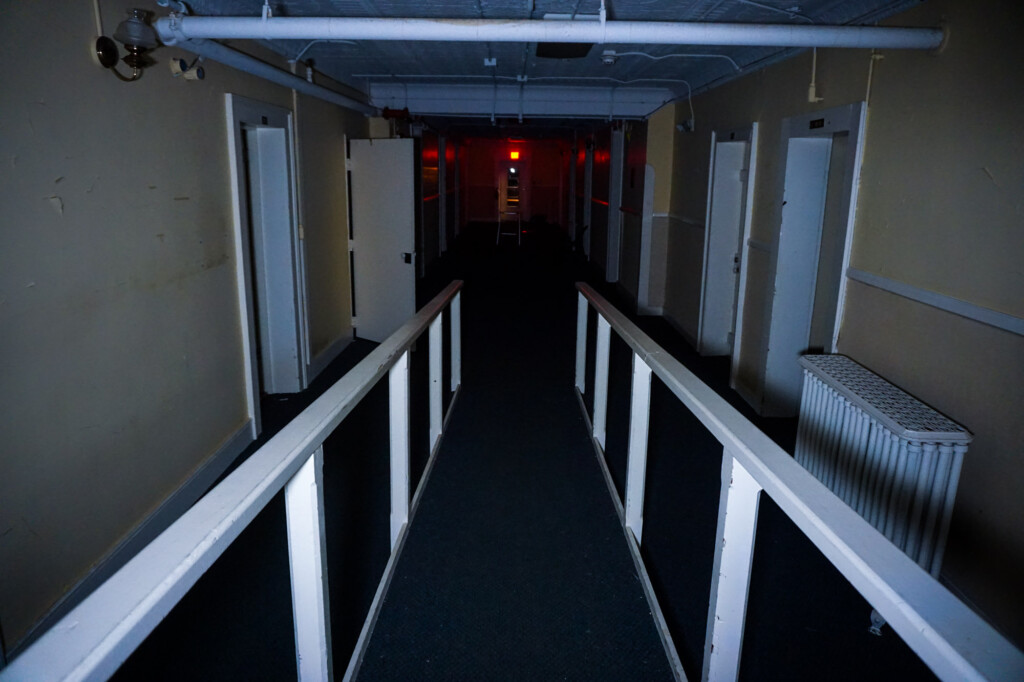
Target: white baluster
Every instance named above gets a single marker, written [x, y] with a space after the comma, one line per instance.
[604, 331]
[398, 388]
[435, 380]
[582, 309]
[730, 577]
[636, 470]
[456, 340]
[307, 550]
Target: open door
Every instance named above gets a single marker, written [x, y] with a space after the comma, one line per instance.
[269, 259]
[275, 284]
[383, 239]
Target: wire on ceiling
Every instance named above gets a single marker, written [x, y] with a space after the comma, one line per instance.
[311, 43]
[680, 54]
[788, 12]
[98, 16]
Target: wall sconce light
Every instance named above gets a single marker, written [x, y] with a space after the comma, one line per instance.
[138, 38]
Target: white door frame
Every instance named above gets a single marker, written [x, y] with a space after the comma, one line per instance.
[848, 119]
[749, 136]
[241, 111]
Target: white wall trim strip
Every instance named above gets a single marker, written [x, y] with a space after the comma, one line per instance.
[759, 245]
[689, 222]
[972, 311]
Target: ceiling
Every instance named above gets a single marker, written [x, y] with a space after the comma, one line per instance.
[451, 79]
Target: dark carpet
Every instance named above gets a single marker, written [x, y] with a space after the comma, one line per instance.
[516, 566]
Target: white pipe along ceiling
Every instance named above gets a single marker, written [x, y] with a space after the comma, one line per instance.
[174, 28]
[209, 49]
[507, 58]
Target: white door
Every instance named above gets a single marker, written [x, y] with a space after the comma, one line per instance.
[273, 258]
[803, 209]
[383, 244]
[722, 248]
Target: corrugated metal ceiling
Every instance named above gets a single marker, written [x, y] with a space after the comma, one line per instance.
[362, 64]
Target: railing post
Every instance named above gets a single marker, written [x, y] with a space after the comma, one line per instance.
[434, 342]
[730, 577]
[456, 340]
[307, 554]
[604, 331]
[583, 307]
[398, 392]
[636, 470]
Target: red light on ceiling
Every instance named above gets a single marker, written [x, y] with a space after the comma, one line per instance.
[514, 155]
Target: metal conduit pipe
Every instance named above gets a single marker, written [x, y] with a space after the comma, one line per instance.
[243, 62]
[177, 28]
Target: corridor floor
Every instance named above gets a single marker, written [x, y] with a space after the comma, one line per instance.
[516, 566]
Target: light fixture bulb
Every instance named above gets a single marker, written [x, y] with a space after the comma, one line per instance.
[137, 36]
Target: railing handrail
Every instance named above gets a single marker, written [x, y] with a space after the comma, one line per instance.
[93, 639]
[947, 635]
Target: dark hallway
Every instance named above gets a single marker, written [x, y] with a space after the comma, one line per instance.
[515, 565]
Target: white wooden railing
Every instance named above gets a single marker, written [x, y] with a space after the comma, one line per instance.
[95, 638]
[950, 638]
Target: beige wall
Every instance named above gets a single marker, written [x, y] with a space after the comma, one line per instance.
[661, 132]
[321, 130]
[661, 145]
[120, 348]
[940, 209]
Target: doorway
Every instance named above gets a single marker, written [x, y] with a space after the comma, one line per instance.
[727, 223]
[821, 156]
[270, 267]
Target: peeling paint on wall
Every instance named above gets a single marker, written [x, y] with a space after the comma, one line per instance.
[56, 203]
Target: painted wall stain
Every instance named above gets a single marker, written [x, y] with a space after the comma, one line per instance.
[58, 179]
[182, 198]
[56, 203]
[215, 262]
